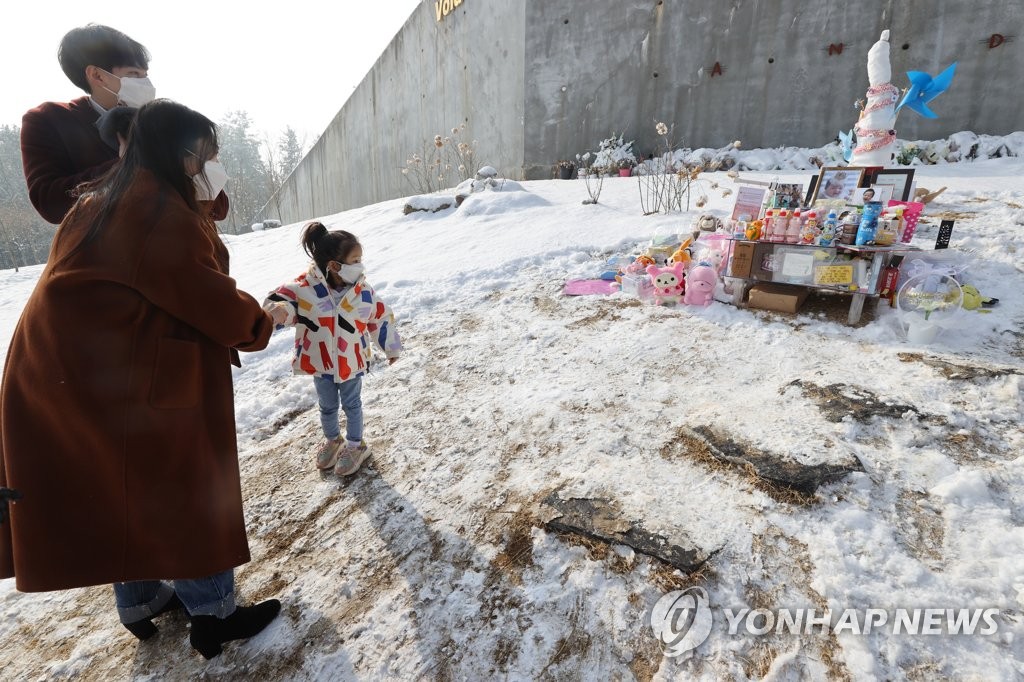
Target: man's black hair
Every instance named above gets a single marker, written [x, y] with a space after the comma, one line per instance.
[98, 45]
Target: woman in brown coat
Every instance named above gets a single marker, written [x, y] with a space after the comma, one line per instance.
[117, 429]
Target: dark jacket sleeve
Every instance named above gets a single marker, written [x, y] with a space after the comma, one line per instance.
[179, 273]
[49, 170]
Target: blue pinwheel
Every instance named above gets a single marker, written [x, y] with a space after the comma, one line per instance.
[846, 142]
[924, 88]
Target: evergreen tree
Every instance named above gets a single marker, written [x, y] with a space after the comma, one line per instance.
[247, 189]
[289, 152]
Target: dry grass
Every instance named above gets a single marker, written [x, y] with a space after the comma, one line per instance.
[690, 446]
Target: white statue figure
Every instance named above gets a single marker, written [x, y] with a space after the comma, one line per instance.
[876, 139]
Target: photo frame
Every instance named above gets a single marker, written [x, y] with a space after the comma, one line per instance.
[811, 187]
[786, 195]
[901, 179]
[838, 183]
[881, 193]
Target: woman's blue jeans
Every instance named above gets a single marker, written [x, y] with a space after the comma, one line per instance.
[213, 595]
[348, 394]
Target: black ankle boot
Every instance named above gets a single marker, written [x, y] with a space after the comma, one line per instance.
[144, 629]
[209, 632]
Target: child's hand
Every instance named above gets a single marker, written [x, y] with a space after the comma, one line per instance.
[280, 313]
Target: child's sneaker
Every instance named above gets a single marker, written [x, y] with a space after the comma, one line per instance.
[351, 458]
[327, 455]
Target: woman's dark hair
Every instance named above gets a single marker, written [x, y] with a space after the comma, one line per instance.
[163, 135]
[324, 246]
[98, 45]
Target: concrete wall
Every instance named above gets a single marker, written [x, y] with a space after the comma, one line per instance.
[542, 80]
[613, 65]
[466, 68]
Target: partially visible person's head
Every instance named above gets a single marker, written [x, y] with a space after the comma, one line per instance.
[869, 194]
[97, 57]
[114, 127]
[170, 141]
[330, 249]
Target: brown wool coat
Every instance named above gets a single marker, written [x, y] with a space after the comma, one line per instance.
[62, 148]
[116, 409]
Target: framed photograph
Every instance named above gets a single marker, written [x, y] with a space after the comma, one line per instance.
[881, 193]
[838, 184]
[900, 179]
[787, 196]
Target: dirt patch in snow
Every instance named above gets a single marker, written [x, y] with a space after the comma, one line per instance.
[959, 371]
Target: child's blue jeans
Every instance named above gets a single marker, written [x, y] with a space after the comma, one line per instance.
[213, 595]
[346, 394]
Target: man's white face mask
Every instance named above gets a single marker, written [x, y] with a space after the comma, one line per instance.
[134, 92]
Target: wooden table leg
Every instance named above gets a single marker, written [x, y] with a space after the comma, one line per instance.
[739, 289]
[856, 307]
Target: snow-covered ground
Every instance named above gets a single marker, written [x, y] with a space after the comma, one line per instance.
[433, 561]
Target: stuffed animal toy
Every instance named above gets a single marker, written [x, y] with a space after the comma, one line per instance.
[700, 285]
[682, 254]
[974, 299]
[708, 223]
[669, 283]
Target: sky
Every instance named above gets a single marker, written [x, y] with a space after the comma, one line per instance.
[294, 64]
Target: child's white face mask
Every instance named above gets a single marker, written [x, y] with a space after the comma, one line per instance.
[350, 273]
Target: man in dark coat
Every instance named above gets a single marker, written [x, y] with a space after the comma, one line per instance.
[60, 145]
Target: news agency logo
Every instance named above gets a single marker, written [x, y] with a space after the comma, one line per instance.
[681, 620]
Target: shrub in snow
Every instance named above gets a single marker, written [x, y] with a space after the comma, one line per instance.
[428, 202]
[614, 153]
[440, 161]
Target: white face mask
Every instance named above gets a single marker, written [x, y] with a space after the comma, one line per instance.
[350, 273]
[217, 178]
[134, 92]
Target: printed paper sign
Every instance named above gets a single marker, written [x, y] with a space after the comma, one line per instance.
[833, 274]
[748, 201]
[797, 265]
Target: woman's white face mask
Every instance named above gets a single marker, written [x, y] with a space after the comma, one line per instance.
[215, 181]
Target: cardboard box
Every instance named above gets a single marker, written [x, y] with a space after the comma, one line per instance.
[742, 259]
[782, 298]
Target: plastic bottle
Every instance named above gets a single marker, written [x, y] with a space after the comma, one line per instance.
[740, 230]
[779, 227]
[829, 229]
[809, 232]
[793, 230]
[868, 223]
[768, 226]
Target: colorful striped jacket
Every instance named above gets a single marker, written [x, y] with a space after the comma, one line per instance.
[333, 328]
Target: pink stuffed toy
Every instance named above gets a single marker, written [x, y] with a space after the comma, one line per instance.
[669, 283]
[700, 285]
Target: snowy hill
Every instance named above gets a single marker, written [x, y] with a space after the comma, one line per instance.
[434, 561]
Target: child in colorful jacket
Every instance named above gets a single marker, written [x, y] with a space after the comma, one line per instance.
[336, 314]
